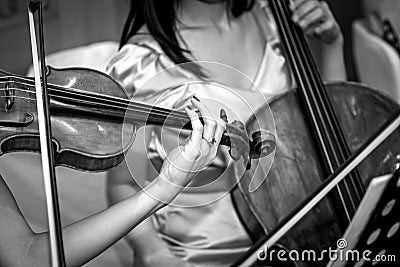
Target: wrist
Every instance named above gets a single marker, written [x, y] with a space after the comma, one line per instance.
[163, 190]
[338, 43]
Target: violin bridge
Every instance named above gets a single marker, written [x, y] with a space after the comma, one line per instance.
[9, 93]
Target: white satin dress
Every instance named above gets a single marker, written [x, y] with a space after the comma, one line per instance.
[201, 226]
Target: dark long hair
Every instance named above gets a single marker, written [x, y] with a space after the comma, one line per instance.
[159, 17]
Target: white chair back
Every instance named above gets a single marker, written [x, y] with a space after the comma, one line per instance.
[377, 63]
[80, 194]
[93, 56]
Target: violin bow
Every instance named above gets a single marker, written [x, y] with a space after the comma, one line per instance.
[46, 147]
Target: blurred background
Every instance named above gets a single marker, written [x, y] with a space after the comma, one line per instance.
[77, 33]
[74, 23]
[68, 24]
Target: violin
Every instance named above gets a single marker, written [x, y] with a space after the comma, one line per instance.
[82, 119]
[94, 122]
[318, 127]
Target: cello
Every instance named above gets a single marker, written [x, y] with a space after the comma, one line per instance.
[318, 127]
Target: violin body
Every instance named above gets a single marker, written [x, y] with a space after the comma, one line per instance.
[81, 141]
[93, 121]
[296, 169]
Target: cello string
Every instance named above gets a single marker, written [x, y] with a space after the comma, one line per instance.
[339, 175]
[312, 78]
[337, 156]
[355, 180]
[314, 112]
[323, 97]
[343, 190]
[298, 68]
[339, 148]
[327, 119]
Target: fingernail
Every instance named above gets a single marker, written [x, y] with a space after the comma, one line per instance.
[196, 98]
[295, 18]
[222, 115]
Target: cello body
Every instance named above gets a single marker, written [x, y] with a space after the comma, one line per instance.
[296, 170]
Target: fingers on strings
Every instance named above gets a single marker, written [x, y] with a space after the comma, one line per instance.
[309, 14]
[213, 128]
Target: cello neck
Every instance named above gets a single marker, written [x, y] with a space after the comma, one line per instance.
[327, 133]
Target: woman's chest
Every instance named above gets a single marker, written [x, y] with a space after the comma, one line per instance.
[241, 48]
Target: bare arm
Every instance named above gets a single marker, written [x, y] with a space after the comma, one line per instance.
[317, 20]
[150, 249]
[83, 240]
[333, 67]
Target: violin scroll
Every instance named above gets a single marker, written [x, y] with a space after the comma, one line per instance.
[262, 143]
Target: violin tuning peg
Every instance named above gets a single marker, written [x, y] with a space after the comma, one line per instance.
[396, 164]
[263, 143]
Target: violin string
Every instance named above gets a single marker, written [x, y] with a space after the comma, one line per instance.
[19, 97]
[17, 89]
[101, 97]
[117, 101]
[98, 98]
[175, 114]
[158, 120]
[179, 115]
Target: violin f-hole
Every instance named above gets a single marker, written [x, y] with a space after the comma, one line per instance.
[18, 124]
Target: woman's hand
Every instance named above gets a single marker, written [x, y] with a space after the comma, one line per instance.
[316, 19]
[196, 153]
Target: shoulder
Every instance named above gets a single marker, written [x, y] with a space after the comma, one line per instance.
[137, 61]
[144, 41]
[141, 48]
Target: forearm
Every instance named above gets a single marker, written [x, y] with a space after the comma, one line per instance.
[333, 66]
[150, 249]
[87, 238]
